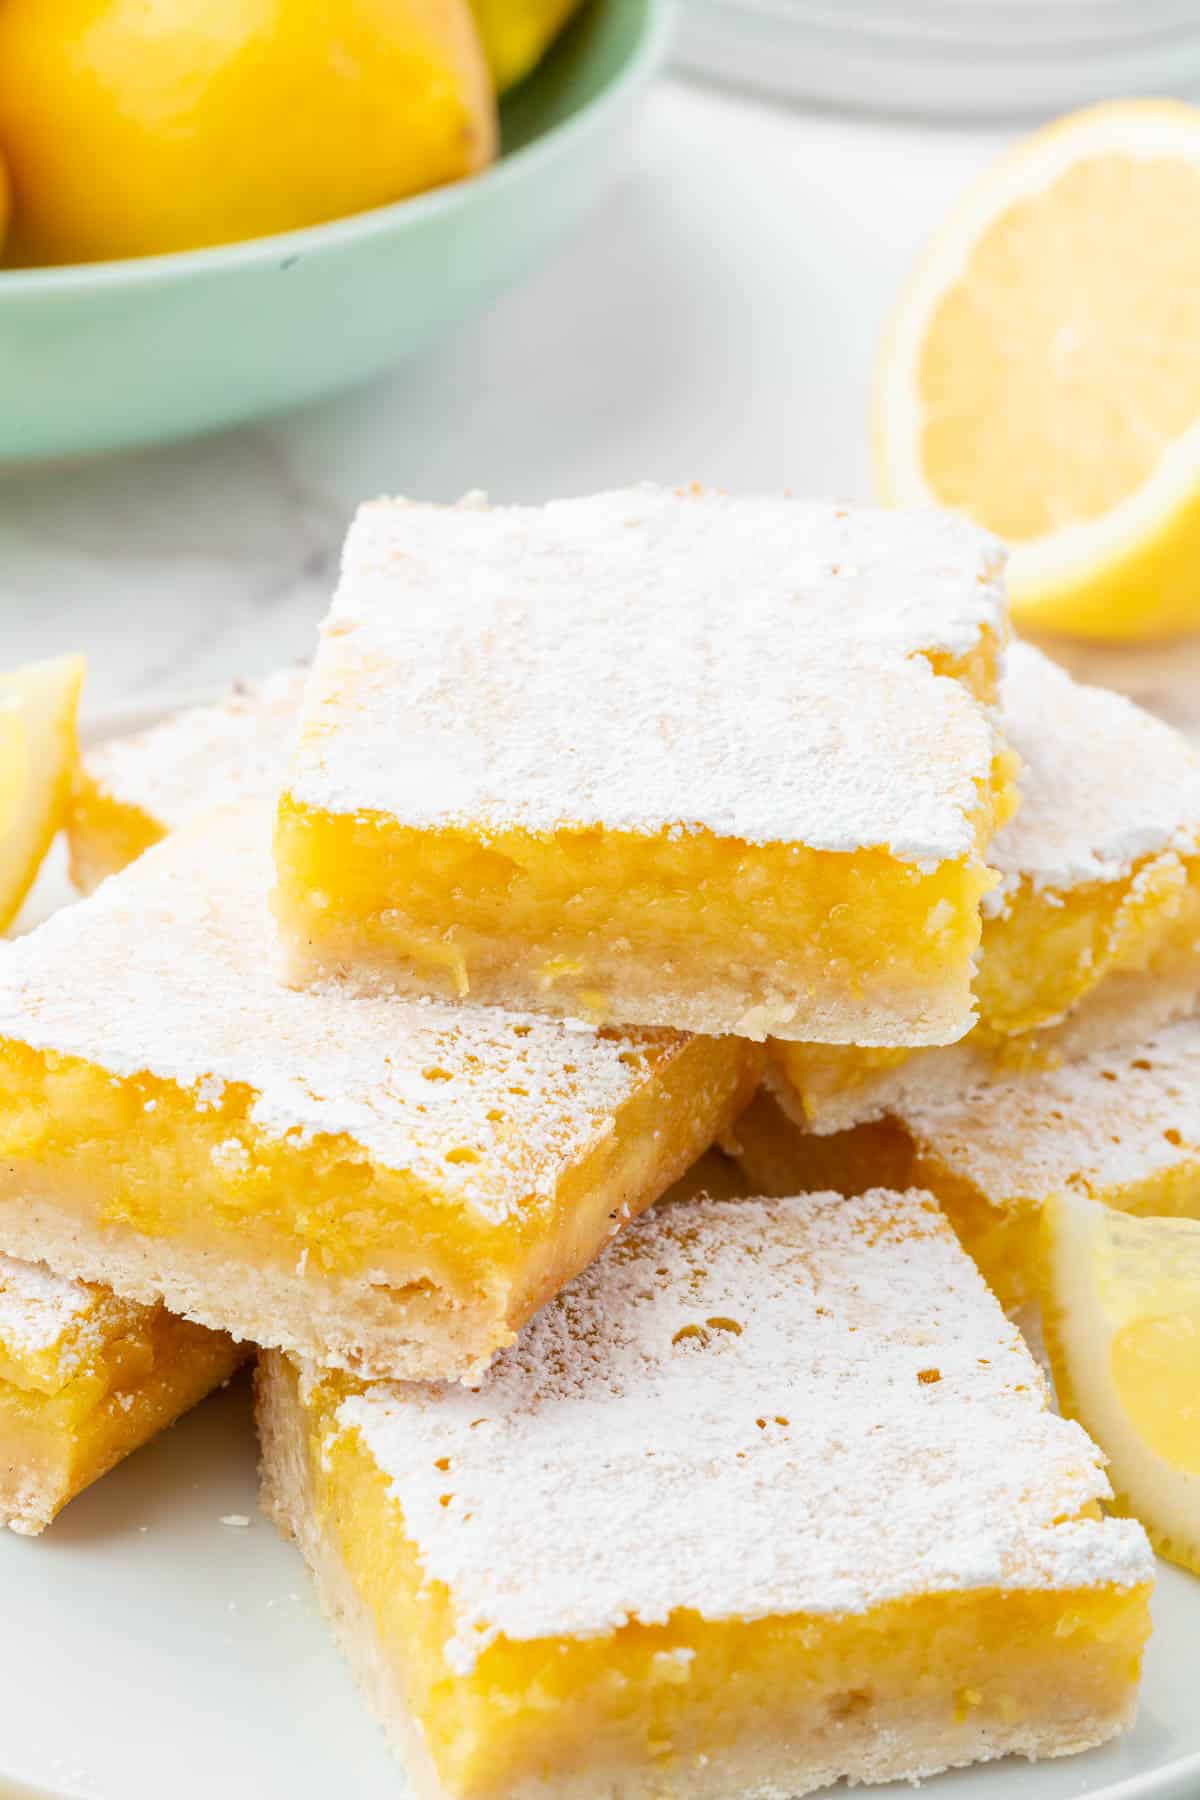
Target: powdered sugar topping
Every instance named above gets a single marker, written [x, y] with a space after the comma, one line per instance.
[649, 661]
[747, 1408]
[43, 1314]
[489, 1106]
[37, 1306]
[207, 756]
[1103, 784]
[1112, 1120]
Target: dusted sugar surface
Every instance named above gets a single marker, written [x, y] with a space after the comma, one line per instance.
[41, 1311]
[1103, 784]
[1092, 937]
[1111, 1121]
[205, 757]
[652, 660]
[747, 1408]
[490, 1106]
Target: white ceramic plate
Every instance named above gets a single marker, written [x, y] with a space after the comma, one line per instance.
[997, 58]
[148, 1648]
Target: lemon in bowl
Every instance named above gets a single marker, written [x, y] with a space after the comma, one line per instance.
[515, 34]
[103, 354]
[132, 131]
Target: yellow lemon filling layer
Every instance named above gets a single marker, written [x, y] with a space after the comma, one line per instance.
[603, 924]
[105, 833]
[998, 1227]
[107, 1340]
[131, 791]
[54, 1444]
[663, 1698]
[145, 1154]
[1038, 963]
[977, 668]
[1049, 950]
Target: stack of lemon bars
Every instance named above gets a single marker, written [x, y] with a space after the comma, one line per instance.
[412, 995]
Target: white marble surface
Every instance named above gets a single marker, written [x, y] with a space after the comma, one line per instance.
[714, 319]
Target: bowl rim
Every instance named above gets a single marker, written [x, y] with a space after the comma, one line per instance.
[653, 30]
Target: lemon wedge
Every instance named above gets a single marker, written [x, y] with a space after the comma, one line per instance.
[14, 762]
[1042, 371]
[39, 705]
[134, 130]
[1121, 1310]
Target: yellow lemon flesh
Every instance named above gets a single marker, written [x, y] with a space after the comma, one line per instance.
[14, 762]
[517, 33]
[137, 128]
[39, 704]
[1121, 1302]
[1042, 372]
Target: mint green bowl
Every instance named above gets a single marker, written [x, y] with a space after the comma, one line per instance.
[106, 355]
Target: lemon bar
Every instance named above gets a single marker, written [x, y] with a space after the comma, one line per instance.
[130, 791]
[86, 1378]
[718, 1176]
[666, 758]
[769, 1496]
[1093, 935]
[384, 1184]
[1120, 1126]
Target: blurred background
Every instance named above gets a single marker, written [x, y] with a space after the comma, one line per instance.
[679, 268]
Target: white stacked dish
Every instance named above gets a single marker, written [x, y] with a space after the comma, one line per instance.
[947, 58]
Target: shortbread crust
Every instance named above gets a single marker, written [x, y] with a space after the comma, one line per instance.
[384, 1185]
[669, 758]
[85, 1379]
[1122, 1126]
[769, 1496]
[131, 791]
[1092, 937]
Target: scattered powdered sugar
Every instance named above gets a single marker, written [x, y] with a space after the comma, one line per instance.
[1111, 1120]
[207, 756]
[489, 1105]
[650, 660]
[747, 1408]
[37, 1306]
[41, 1311]
[1103, 783]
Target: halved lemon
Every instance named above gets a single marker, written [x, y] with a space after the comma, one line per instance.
[1121, 1309]
[1042, 371]
[39, 706]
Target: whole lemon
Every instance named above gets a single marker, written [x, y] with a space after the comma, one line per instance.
[516, 34]
[138, 126]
